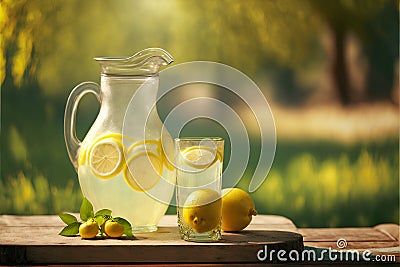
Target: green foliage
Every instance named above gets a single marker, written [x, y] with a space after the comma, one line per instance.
[335, 191]
[24, 26]
[47, 46]
[42, 41]
[34, 195]
[87, 215]
[86, 210]
[67, 218]
[353, 187]
[71, 229]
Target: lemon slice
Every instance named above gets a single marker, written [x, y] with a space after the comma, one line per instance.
[105, 158]
[143, 171]
[117, 136]
[199, 157]
[84, 152]
[167, 151]
[82, 156]
[143, 145]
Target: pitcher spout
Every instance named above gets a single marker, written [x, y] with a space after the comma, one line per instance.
[144, 63]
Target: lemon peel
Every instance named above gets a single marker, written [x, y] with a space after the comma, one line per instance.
[237, 209]
[113, 229]
[200, 157]
[202, 210]
[106, 158]
[89, 229]
[143, 171]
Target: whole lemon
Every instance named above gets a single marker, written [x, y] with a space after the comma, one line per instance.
[89, 229]
[202, 210]
[113, 229]
[237, 209]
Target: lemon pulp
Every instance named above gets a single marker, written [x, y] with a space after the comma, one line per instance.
[199, 157]
[106, 158]
[143, 171]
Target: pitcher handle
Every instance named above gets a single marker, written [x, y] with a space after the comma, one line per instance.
[71, 140]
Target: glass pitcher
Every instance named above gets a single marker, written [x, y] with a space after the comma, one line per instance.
[123, 163]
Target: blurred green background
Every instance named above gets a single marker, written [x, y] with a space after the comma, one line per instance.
[329, 70]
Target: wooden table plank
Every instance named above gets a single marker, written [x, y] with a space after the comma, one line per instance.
[357, 245]
[390, 229]
[382, 240]
[31, 220]
[41, 236]
[366, 234]
[35, 239]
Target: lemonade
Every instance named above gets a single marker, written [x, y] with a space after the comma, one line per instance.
[198, 172]
[125, 161]
[118, 174]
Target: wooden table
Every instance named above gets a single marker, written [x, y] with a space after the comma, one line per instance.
[381, 240]
[35, 240]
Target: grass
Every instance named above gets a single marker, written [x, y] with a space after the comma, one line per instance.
[315, 184]
[34, 195]
[335, 191]
[333, 166]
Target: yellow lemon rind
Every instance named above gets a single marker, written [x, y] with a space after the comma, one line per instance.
[82, 156]
[201, 166]
[137, 186]
[116, 137]
[141, 143]
[166, 161]
[119, 165]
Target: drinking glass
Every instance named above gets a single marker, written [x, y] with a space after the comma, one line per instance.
[198, 163]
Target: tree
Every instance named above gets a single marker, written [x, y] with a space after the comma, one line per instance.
[285, 34]
[380, 41]
[25, 26]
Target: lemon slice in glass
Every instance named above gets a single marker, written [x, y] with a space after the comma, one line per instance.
[143, 171]
[199, 157]
[106, 158]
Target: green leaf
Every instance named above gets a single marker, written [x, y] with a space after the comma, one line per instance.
[67, 218]
[101, 216]
[71, 229]
[126, 224]
[86, 210]
[103, 212]
[101, 219]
